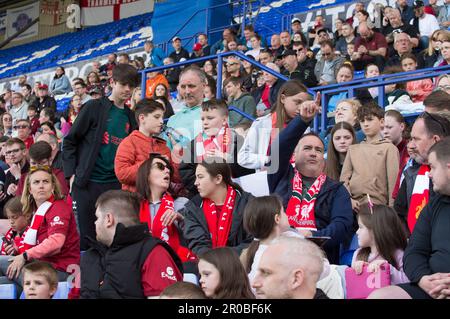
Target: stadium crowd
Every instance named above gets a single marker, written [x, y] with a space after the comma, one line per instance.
[135, 203]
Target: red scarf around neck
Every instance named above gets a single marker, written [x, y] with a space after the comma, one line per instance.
[221, 141]
[419, 197]
[219, 226]
[300, 211]
[31, 235]
[169, 234]
[16, 239]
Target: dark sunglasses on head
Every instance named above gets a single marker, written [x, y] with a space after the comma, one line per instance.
[434, 119]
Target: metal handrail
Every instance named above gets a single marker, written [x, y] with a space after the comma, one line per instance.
[235, 109]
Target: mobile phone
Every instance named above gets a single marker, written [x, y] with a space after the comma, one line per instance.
[5, 240]
[320, 240]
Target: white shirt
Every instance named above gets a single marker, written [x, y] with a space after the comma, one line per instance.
[427, 25]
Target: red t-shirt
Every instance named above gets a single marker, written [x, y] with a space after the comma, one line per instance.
[28, 142]
[265, 96]
[60, 219]
[158, 272]
[378, 41]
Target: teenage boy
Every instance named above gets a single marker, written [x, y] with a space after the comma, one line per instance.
[90, 147]
[371, 167]
[239, 99]
[216, 140]
[33, 118]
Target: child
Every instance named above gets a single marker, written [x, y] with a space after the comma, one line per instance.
[182, 290]
[40, 280]
[136, 147]
[13, 241]
[215, 267]
[382, 239]
[418, 89]
[239, 99]
[33, 118]
[396, 98]
[371, 167]
[372, 71]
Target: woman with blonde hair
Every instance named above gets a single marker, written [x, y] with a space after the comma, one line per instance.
[431, 56]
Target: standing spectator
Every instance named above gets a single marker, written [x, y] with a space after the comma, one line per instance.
[153, 56]
[60, 83]
[203, 40]
[44, 100]
[406, 11]
[18, 108]
[125, 248]
[179, 52]
[371, 48]
[444, 15]
[326, 68]
[239, 99]
[298, 66]
[101, 125]
[424, 22]
[347, 37]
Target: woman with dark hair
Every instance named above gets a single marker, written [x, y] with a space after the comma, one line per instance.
[159, 208]
[161, 95]
[342, 136]
[60, 83]
[70, 114]
[210, 68]
[7, 124]
[223, 276]
[213, 218]
[93, 79]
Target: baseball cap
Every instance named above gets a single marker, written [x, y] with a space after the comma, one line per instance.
[288, 52]
[197, 47]
[176, 38]
[296, 20]
[418, 4]
[43, 87]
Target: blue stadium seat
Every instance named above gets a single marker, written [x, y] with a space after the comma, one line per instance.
[346, 255]
[61, 293]
[8, 291]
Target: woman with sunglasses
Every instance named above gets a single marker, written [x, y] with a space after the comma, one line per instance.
[159, 208]
[52, 236]
[431, 56]
[7, 124]
[214, 217]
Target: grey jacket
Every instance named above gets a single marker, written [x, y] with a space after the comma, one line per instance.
[442, 16]
[19, 113]
[336, 63]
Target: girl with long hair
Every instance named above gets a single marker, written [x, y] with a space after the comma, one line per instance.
[342, 136]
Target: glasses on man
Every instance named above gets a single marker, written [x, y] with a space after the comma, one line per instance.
[20, 126]
[10, 152]
[7, 119]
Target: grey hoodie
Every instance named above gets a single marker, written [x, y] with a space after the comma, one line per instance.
[246, 104]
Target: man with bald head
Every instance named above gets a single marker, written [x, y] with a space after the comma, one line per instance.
[275, 45]
[289, 269]
[370, 46]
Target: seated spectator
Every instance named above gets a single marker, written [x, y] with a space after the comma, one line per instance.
[445, 51]
[407, 12]
[425, 261]
[197, 52]
[209, 215]
[179, 52]
[216, 140]
[17, 87]
[159, 209]
[210, 89]
[444, 15]
[318, 25]
[255, 150]
[44, 100]
[135, 148]
[162, 92]
[23, 132]
[222, 275]
[203, 40]
[49, 128]
[125, 248]
[40, 280]
[18, 108]
[256, 47]
[123, 58]
[33, 119]
[424, 22]
[182, 290]
[323, 36]
[80, 88]
[371, 48]
[154, 79]
[341, 137]
[19, 223]
[136, 96]
[285, 261]
[381, 239]
[443, 83]
[431, 56]
[326, 207]
[210, 68]
[265, 56]
[267, 93]
[27, 95]
[402, 46]
[396, 96]
[239, 99]
[275, 45]
[70, 114]
[298, 66]
[46, 240]
[296, 28]
[7, 124]
[337, 35]
[234, 68]
[372, 71]
[154, 56]
[285, 40]
[419, 89]
[397, 25]
[60, 83]
[371, 167]
[347, 37]
[172, 75]
[227, 35]
[56, 157]
[93, 79]
[326, 68]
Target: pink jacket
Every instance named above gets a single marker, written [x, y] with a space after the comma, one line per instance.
[422, 87]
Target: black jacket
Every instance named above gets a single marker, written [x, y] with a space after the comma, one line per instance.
[273, 93]
[189, 164]
[178, 56]
[428, 248]
[10, 179]
[47, 102]
[196, 230]
[82, 144]
[304, 73]
[115, 272]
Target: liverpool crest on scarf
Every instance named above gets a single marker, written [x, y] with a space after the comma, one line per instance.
[420, 196]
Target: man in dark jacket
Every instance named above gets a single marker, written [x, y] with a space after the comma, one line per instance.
[268, 92]
[426, 261]
[329, 201]
[125, 261]
[179, 52]
[298, 66]
[90, 147]
[44, 99]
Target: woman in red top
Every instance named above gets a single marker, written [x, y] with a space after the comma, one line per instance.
[52, 236]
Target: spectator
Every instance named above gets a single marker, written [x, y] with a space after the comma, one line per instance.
[397, 25]
[136, 96]
[110, 64]
[381, 239]
[123, 58]
[445, 51]
[179, 52]
[342, 136]
[227, 35]
[426, 257]
[168, 110]
[254, 152]
[3, 164]
[172, 75]
[424, 22]
[44, 100]
[210, 69]
[215, 267]
[33, 119]
[246, 41]
[153, 56]
[182, 290]
[203, 40]
[285, 40]
[444, 15]
[135, 148]
[289, 269]
[402, 46]
[96, 92]
[326, 68]
[40, 280]
[96, 133]
[265, 56]
[80, 89]
[49, 128]
[328, 206]
[256, 47]
[396, 96]
[322, 37]
[210, 214]
[7, 124]
[7, 97]
[23, 131]
[239, 99]
[210, 89]
[2, 105]
[296, 28]
[419, 89]
[406, 11]
[93, 79]
[363, 17]
[18, 108]
[153, 79]
[197, 52]
[19, 222]
[338, 29]
[17, 87]
[125, 248]
[431, 56]
[46, 115]
[319, 24]
[27, 96]
[275, 45]
[56, 156]
[371, 48]
[347, 37]
[53, 222]
[432, 8]
[373, 159]
[416, 190]
[298, 66]
[443, 83]
[234, 68]
[60, 83]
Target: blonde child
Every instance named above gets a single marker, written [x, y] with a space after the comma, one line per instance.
[40, 280]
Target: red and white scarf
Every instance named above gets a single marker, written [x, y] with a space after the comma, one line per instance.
[38, 217]
[221, 142]
[11, 236]
[420, 196]
[219, 226]
[169, 234]
[300, 211]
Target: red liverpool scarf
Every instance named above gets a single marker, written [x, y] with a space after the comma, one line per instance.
[169, 234]
[221, 142]
[11, 236]
[300, 211]
[420, 196]
[38, 217]
[219, 226]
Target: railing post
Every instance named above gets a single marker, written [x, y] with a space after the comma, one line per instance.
[219, 76]
[143, 83]
[323, 116]
[381, 96]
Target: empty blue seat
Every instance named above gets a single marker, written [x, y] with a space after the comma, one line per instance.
[8, 291]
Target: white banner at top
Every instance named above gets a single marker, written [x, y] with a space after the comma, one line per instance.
[19, 18]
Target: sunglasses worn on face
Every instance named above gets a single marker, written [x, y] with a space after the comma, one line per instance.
[20, 126]
[161, 166]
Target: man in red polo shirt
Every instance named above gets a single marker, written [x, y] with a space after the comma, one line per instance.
[371, 47]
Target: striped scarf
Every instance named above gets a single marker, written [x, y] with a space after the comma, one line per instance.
[38, 217]
[221, 141]
[420, 196]
[12, 236]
